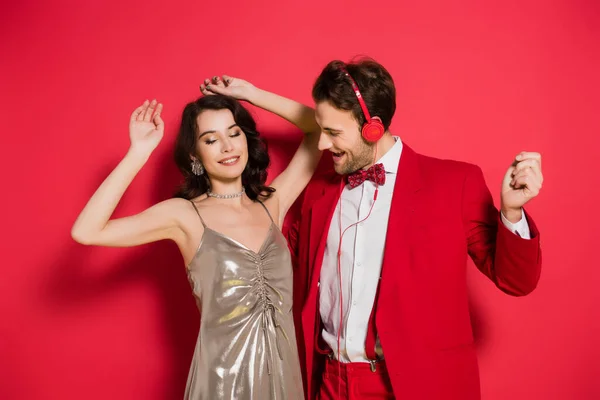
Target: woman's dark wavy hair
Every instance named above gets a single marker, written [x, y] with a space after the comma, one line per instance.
[255, 173]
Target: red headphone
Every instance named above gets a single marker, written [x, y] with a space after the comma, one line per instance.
[373, 129]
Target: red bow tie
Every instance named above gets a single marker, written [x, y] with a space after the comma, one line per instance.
[374, 174]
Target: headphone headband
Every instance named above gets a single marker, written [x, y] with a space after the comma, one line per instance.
[361, 101]
[372, 130]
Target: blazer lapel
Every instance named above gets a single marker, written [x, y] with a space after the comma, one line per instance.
[396, 260]
[321, 214]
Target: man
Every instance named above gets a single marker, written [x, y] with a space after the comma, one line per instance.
[380, 288]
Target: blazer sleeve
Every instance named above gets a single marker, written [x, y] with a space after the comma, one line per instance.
[511, 262]
[291, 232]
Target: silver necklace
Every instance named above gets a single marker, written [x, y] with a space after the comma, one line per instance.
[225, 196]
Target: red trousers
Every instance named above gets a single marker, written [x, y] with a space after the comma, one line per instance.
[350, 381]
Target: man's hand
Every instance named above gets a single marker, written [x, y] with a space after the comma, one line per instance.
[522, 182]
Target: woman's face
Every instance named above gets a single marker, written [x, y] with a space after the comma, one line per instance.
[221, 145]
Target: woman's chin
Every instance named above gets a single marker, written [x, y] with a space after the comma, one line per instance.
[228, 175]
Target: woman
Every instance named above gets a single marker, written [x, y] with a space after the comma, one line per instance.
[226, 223]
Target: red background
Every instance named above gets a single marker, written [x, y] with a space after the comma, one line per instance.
[476, 81]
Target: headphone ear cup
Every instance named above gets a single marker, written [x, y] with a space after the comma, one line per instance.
[373, 130]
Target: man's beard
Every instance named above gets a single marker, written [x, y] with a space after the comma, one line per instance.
[360, 159]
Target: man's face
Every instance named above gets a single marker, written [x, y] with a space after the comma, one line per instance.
[340, 134]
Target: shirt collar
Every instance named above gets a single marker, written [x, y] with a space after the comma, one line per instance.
[391, 159]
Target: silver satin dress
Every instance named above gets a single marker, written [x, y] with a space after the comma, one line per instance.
[246, 347]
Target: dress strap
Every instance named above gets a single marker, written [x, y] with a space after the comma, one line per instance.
[198, 212]
[267, 210]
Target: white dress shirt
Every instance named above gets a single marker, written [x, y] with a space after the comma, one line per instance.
[361, 260]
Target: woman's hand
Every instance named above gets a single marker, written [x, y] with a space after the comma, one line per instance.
[229, 86]
[146, 128]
